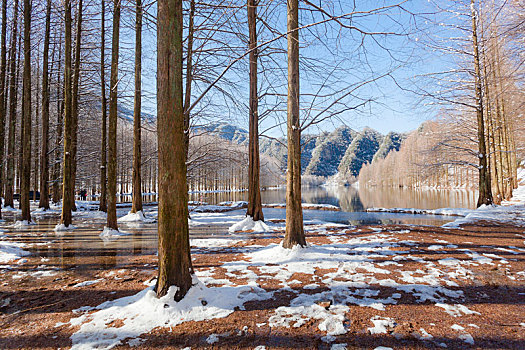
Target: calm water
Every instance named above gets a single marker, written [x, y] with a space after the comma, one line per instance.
[351, 199]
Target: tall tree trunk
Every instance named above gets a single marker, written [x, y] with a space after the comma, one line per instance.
[485, 191]
[66, 218]
[254, 186]
[189, 79]
[112, 134]
[137, 152]
[26, 117]
[2, 97]
[13, 91]
[44, 158]
[175, 266]
[59, 128]
[294, 212]
[74, 105]
[103, 163]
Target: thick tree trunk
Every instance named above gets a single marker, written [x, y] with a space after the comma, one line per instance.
[485, 191]
[13, 91]
[294, 212]
[254, 186]
[44, 158]
[2, 97]
[66, 218]
[103, 163]
[112, 134]
[137, 152]
[74, 105]
[26, 117]
[175, 266]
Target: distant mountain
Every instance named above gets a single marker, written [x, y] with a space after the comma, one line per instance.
[391, 142]
[329, 151]
[342, 151]
[361, 151]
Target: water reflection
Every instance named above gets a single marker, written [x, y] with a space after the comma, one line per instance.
[351, 199]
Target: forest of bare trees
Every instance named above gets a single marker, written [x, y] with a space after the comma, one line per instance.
[74, 104]
[473, 141]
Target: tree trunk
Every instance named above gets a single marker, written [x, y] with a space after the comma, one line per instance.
[74, 105]
[189, 79]
[103, 163]
[59, 129]
[485, 191]
[44, 159]
[175, 266]
[294, 212]
[112, 134]
[2, 97]
[26, 117]
[254, 189]
[137, 152]
[66, 218]
[13, 91]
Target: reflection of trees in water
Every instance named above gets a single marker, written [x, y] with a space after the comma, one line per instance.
[353, 200]
[411, 198]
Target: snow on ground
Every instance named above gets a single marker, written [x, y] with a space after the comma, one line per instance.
[353, 264]
[10, 251]
[142, 312]
[109, 234]
[63, 228]
[22, 224]
[505, 214]
[249, 225]
[441, 211]
[135, 217]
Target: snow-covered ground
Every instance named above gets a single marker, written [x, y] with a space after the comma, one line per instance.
[10, 251]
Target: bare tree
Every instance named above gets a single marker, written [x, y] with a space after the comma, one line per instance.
[175, 266]
[137, 114]
[112, 132]
[44, 157]
[25, 175]
[103, 147]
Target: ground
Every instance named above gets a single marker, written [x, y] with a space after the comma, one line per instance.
[397, 286]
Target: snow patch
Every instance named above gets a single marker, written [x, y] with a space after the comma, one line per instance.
[248, 224]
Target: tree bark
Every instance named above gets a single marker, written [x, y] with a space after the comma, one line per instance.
[25, 175]
[485, 191]
[44, 159]
[103, 163]
[13, 91]
[175, 266]
[74, 105]
[254, 186]
[66, 218]
[59, 129]
[294, 212]
[137, 152]
[2, 96]
[112, 132]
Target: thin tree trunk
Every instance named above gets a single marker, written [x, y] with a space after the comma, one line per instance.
[137, 152]
[112, 134]
[13, 91]
[66, 218]
[294, 212]
[254, 186]
[26, 117]
[189, 79]
[175, 266]
[485, 191]
[44, 159]
[59, 129]
[74, 105]
[103, 163]
[2, 97]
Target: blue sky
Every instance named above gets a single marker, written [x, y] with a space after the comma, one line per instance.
[392, 108]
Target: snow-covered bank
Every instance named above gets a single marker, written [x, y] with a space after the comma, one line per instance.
[109, 234]
[441, 211]
[137, 217]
